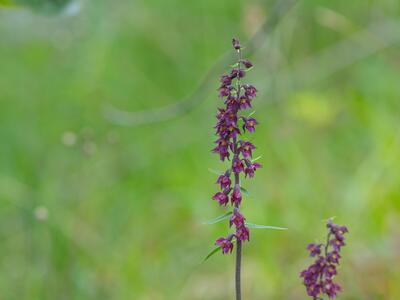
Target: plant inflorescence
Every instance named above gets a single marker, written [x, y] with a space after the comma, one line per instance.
[318, 277]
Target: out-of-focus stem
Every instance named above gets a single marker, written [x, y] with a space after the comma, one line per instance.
[239, 242]
[238, 269]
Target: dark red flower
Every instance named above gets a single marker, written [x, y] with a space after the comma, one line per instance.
[236, 44]
[251, 168]
[250, 124]
[221, 197]
[337, 230]
[230, 116]
[247, 63]
[232, 130]
[236, 197]
[224, 91]
[224, 181]
[330, 288]
[244, 102]
[334, 257]
[225, 244]
[337, 244]
[243, 234]
[330, 270]
[313, 289]
[246, 148]
[237, 165]
[225, 80]
[222, 151]
[237, 73]
[237, 219]
[315, 249]
[250, 91]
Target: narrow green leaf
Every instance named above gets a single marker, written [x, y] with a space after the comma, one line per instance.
[215, 250]
[252, 113]
[215, 171]
[251, 225]
[244, 191]
[218, 219]
[257, 158]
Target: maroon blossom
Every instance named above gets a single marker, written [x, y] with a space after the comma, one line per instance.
[243, 233]
[237, 165]
[313, 289]
[236, 197]
[250, 91]
[236, 44]
[318, 277]
[330, 271]
[334, 257]
[224, 181]
[222, 148]
[247, 63]
[315, 249]
[230, 116]
[249, 125]
[232, 129]
[251, 168]
[225, 244]
[221, 113]
[337, 230]
[222, 198]
[237, 219]
[225, 80]
[244, 102]
[237, 73]
[246, 148]
[330, 288]
[337, 244]
[232, 106]
[224, 91]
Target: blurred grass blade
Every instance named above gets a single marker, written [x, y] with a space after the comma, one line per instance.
[251, 225]
[215, 250]
[45, 6]
[257, 158]
[218, 219]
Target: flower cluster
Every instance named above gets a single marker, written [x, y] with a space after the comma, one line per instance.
[230, 127]
[318, 277]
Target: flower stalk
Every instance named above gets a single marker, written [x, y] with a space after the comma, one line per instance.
[230, 128]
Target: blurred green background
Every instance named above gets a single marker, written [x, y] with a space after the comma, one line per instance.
[90, 209]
